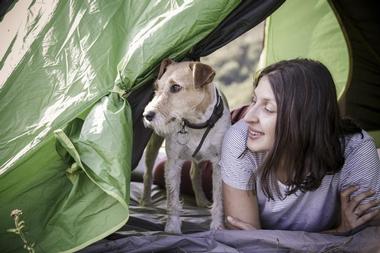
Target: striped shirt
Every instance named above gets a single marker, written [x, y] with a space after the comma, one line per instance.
[311, 211]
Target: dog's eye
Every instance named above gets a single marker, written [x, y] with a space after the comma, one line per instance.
[175, 88]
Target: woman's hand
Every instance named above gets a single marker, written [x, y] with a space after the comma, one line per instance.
[236, 223]
[354, 214]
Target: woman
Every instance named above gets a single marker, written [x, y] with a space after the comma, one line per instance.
[292, 163]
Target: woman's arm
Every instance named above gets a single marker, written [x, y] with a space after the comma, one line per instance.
[240, 208]
[359, 184]
[238, 166]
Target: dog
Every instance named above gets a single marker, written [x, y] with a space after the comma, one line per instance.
[188, 112]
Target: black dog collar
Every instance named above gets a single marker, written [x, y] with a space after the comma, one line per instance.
[215, 116]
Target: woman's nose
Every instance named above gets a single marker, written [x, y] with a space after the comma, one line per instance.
[251, 115]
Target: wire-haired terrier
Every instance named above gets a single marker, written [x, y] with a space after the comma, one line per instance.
[190, 113]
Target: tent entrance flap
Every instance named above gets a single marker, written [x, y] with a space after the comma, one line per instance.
[63, 59]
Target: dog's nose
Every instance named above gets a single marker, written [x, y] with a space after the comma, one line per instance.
[149, 115]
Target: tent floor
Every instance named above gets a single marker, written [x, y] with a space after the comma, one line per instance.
[144, 233]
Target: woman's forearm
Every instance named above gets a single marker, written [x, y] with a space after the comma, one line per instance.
[241, 205]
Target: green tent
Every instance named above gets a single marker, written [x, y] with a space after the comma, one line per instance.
[345, 36]
[66, 132]
[75, 75]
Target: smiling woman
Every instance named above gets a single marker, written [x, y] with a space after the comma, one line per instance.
[293, 163]
[263, 110]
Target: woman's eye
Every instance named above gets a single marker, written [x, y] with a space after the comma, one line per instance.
[269, 109]
[175, 88]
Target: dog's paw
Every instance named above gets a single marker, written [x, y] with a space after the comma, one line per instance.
[216, 225]
[173, 225]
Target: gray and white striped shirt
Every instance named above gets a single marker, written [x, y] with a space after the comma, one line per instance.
[312, 211]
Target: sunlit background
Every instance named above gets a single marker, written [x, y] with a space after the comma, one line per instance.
[235, 65]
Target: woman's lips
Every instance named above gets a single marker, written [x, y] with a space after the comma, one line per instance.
[254, 134]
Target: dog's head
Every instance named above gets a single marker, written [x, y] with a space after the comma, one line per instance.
[182, 91]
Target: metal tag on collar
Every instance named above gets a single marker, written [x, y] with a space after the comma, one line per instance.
[182, 135]
[183, 128]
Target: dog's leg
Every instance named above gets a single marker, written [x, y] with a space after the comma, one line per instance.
[151, 153]
[217, 206]
[196, 181]
[173, 180]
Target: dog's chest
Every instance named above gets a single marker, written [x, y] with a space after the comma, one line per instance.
[183, 147]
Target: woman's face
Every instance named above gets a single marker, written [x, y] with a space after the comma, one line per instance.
[261, 118]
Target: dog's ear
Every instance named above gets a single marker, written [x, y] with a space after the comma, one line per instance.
[164, 64]
[203, 74]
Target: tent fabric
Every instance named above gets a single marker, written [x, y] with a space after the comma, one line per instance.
[314, 32]
[243, 18]
[4, 7]
[344, 35]
[144, 233]
[361, 24]
[66, 134]
[138, 99]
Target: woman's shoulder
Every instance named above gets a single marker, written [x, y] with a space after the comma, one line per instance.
[362, 163]
[235, 141]
[238, 132]
[236, 137]
[361, 157]
[356, 140]
[240, 126]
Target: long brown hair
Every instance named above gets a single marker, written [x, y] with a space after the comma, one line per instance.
[309, 133]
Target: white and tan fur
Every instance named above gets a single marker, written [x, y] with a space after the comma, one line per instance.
[194, 101]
